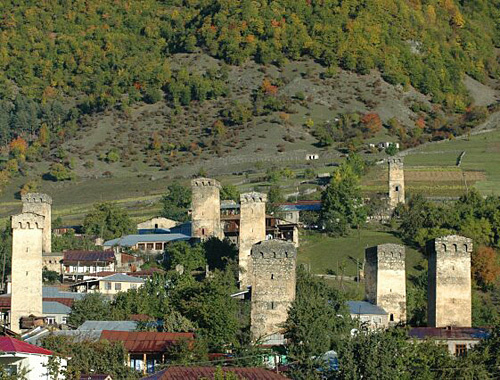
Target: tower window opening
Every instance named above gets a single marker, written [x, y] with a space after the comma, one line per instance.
[272, 276]
[391, 318]
[397, 188]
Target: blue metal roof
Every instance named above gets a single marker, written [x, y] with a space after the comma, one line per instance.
[50, 307]
[311, 207]
[132, 240]
[109, 325]
[54, 292]
[363, 307]
[121, 277]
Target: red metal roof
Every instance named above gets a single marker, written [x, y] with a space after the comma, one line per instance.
[5, 301]
[188, 373]
[141, 318]
[74, 256]
[145, 341]
[8, 344]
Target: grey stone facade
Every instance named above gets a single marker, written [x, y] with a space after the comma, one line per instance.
[273, 287]
[449, 294]
[385, 279]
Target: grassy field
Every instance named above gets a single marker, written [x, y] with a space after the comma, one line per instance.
[432, 169]
[482, 154]
[324, 254]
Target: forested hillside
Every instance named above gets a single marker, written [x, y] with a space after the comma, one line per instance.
[63, 61]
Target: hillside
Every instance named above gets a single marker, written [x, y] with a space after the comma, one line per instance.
[106, 100]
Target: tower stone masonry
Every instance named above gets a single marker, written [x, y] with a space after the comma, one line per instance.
[396, 181]
[252, 230]
[27, 242]
[205, 208]
[385, 279]
[41, 204]
[273, 287]
[449, 294]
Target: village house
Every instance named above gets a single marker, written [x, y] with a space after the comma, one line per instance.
[290, 211]
[79, 265]
[147, 243]
[370, 316]
[109, 285]
[16, 355]
[458, 340]
[156, 225]
[146, 350]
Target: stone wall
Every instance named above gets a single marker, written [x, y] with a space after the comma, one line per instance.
[396, 182]
[252, 230]
[27, 244]
[273, 286]
[41, 204]
[449, 295]
[205, 208]
[385, 279]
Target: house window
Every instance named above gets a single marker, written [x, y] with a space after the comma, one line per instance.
[118, 286]
[158, 246]
[133, 286]
[107, 285]
[460, 349]
[150, 246]
[51, 320]
[141, 246]
[64, 320]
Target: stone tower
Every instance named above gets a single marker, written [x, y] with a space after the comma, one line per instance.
[27, 243]
[252, 230]
[385, 279]
[273, 287]
[205, 208]
[41, 204]
[396, 182]
[449, 294]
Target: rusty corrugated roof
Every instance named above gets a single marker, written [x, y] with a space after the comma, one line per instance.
[145, 341]
[449, 333]
[188, 373]
[74, 256]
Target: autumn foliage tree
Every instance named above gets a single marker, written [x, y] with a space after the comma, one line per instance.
[485, 266]
[372, 124]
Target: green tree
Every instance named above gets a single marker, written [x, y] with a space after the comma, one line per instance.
[220, 253]
[176, 202]
[108, 221]
[59, 172]
[182, 253]
[230, 192]
[317, 320]
[92, 307]
[69, 241]
[342, 207]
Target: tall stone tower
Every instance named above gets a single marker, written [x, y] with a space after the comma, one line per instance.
[27, 244]
[385, 279]
[41, 204]
[449, 294]
[273, 287]
[205, 208]
[252, 230]
[396, 182]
